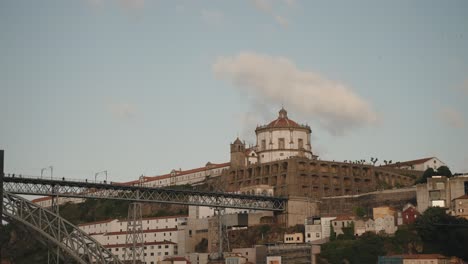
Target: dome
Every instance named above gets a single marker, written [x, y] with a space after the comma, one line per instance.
[282, 121]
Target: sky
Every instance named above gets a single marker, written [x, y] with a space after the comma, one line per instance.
[140, 87]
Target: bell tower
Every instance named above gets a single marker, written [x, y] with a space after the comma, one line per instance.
[238, 154]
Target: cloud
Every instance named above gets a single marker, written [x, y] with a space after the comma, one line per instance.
[122, 110]
[276, 80]
[266, 6]
[451, 117]
[213, 17]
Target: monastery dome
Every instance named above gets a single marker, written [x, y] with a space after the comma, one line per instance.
[282, 120]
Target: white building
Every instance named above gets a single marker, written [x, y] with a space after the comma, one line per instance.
[313, 229]
[419, 164]
[385, 224]
[175, 177]
[161, 236]
[282, 138]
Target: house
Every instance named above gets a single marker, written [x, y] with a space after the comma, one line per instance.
[341, 221]
[363, 225]
[293, 238]
[256, 254]
[414, 259]
[385, 219]
[174, 260]
[418, 164]
[313, 229]
[234, 258]
[460, 206]
[410, 215]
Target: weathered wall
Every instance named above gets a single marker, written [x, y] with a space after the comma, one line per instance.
[331, 206]
[315, 178]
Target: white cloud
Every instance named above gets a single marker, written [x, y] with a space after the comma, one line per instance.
[122, 110]
[451, 117]
[213, 17]
[266, 6]
[277, 80]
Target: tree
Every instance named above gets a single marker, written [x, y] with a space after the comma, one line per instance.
[359, 211]
[442, 233]
[427, 174]
[332, 232]
[444, 171]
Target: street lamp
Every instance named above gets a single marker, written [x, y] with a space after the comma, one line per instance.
[48, 168]
[97, 173]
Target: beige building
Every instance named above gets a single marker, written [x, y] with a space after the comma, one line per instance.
[341, 221]
[440, 191]
[418, 165]
[460, 206]
[385, 219]
[273, 260]
[294, 238]
[425, 259]
[256, 254]
[363, 225]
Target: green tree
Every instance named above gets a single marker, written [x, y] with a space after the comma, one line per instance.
[442, 233]
[332, 232]
[359, 211]
[444, 171]
[427, 174]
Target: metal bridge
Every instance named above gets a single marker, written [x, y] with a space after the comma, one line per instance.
[55, 230]
[83, 189]
[76, 245]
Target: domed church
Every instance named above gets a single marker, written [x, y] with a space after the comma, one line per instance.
[280, 139]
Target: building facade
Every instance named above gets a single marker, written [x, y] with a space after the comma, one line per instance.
[161, 236]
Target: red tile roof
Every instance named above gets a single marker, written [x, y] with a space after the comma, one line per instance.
[465, 196]
[41, 199]
[408, 163]
[178, 173]
[343, 218]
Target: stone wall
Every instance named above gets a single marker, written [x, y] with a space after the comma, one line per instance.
[332, 206]
[314, 178]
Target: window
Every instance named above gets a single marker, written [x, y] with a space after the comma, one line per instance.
[308, 235]
[281, 143]
[166, 246]
[263, 147]
[317, 234]
[166, 253]
[117, 249]
[300, 143]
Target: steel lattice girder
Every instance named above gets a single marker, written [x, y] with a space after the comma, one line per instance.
[34, 186]
[70, 239]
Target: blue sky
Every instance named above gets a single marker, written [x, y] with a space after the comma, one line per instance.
[141, 87]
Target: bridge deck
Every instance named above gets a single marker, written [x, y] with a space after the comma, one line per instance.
[83, 189]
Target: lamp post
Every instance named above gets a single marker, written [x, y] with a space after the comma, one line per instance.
[51, 168]
[97, 173]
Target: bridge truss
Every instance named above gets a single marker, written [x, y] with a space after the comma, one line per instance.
[75, 243]
[80, 189]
